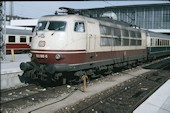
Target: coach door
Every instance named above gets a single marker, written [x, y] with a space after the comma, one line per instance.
[91, 39]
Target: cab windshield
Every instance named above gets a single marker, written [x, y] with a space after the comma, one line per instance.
[57, 25]
[51, 25]
[41, 25]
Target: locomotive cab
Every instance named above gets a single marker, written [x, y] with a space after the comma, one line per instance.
[53, 34]
[62, 35]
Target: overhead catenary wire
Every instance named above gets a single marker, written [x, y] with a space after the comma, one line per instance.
[132, 19]
[29, 9]
[108, 3]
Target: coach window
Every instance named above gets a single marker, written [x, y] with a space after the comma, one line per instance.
[138, 42]
[162, 42]
[105, 41]
[132, 34]
[30, 39]
[139, 34]
[22, 38]
[105, 30]
[117, 32]
[79, 27]
[11, 38]
[125, 33]
[102, 30]
[133, 42]
[117, 41]
[166, 42]
[158, 42]
[41, 25]
[125, 42]
[151, 42]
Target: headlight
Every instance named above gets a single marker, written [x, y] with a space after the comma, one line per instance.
[57, 56]
[30, 55]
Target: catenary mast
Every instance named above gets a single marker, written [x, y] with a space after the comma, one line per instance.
[3, 29]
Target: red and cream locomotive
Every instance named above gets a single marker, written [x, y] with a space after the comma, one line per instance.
[68, 46]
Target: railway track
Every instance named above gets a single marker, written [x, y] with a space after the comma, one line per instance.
[21, 98]
[11, 96]
[126, 97]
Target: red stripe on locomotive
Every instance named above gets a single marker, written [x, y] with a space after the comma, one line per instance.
[75, 58]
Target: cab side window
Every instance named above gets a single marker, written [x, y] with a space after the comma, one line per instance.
[79, 27]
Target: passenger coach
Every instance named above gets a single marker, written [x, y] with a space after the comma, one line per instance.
[157, 45]
[18, 39]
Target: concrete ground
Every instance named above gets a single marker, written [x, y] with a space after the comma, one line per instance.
[10, 70]
[158, 102]
[78, 96]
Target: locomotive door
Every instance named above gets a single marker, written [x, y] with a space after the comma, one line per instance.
[91, 39]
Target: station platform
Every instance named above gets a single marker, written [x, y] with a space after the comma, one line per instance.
[8, 66]
[10, 70]
[158, 102]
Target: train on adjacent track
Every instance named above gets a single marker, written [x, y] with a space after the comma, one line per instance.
[18, 39]
[65, 47]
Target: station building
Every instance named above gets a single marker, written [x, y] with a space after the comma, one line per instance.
[155, 17]
[9, 18]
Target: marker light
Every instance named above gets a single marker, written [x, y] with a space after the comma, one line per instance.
[57, 56]
[30, 55]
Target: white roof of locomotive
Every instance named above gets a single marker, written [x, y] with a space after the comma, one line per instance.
[80, 17]
[61, 17]
[77, 17]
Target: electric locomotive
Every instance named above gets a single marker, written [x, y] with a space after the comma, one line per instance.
[65, 47]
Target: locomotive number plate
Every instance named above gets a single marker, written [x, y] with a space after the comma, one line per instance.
[41, 56]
